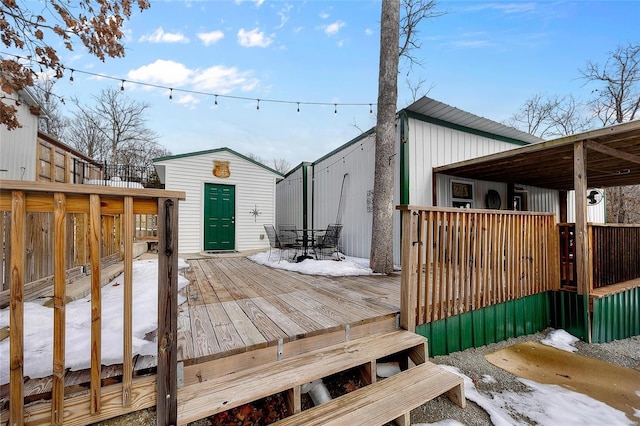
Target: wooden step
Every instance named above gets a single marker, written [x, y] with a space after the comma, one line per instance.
[389, 399]
[220, 393]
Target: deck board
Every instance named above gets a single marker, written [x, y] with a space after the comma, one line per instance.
[252, 305]
[234, 305]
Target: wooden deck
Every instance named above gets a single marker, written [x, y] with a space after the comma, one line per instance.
[235, 305]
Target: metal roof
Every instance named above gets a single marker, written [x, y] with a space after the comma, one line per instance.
[441, 111]
[613, 159]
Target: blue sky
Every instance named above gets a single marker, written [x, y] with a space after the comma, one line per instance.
[483, 57]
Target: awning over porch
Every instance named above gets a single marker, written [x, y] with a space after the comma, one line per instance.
[612, 159]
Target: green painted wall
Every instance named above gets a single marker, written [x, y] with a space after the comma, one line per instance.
[487, 325]
[569, 312]
[616, 316]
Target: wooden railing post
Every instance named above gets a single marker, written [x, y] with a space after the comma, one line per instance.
[59, 306]
[16, 308]
[95, 243]
[167, 380]
[408, 303]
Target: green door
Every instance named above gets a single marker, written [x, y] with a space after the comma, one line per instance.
[219, 217]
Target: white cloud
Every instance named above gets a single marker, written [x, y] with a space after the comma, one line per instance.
[188, 100]
[211, 37]
[332, 29]
[368, 31]
[221, 80]
[257, 2]
[284, 15]
[324, 15]
[159, 36]
[253, 38]
[162, 72]
[508, 8]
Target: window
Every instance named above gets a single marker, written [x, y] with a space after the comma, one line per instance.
[462, 194]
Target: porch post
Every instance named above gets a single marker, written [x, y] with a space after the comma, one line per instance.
[581, 237]
[167, 378]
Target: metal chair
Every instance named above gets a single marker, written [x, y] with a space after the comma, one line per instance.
[327, 243]
[275, 242]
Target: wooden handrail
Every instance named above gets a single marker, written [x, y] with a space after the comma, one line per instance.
[20, 198]
[459, 260]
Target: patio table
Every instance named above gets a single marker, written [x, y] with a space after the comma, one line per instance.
[307, 239]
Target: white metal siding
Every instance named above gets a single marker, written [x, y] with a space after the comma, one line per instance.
[254, 188]
[432, 145]
[289, 199]
[18, 147]
[595, 214]
[356, 161]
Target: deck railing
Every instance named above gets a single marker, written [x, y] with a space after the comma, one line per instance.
[62, 201]
[459, 260]
[616, 253]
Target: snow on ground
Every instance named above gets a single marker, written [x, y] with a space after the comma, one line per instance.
[562, 340]
[38, 325]
[545, 404]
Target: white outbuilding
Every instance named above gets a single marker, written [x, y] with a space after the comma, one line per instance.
[229, 197]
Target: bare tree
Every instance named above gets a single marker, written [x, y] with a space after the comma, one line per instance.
[279, 164]
[97, 24]
[549, 116]
[618, 85]
[416, 88]
[617, 101]
[51, 120]
[393, 30]
[381, 259]
[114, 130]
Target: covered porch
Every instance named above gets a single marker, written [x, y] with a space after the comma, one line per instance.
[598, 272]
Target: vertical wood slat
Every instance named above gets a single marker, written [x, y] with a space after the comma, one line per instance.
[59, 302]
[167, 379]
[428, 275]
[422, 302]
[16, 308]
[127, 355]
[95, 244]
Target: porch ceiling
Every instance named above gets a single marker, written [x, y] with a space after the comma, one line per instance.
[613, 159]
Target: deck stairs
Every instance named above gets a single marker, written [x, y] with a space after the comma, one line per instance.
[215, 386]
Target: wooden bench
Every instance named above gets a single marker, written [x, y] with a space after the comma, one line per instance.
[389, 399]
[218, 393]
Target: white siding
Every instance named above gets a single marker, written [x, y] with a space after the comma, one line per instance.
[355, 166]
[289, 199]
[254, 188]
[595, 214]
[18, 147]
[432, 145]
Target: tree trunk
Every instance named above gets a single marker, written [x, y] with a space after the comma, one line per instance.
[381, 259]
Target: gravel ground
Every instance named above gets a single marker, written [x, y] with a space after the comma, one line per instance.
[472, 363]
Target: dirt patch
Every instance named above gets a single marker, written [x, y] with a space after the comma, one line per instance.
[614, 385]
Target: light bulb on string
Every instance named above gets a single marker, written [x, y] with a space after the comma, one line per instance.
[215, 103]
[258, 105]
[370, 109]
[298, 110]
[122, 86]
[170, 94]
[71, 77]
[335, 109]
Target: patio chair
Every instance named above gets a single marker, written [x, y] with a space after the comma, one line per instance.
[327, 243]
[276, 243]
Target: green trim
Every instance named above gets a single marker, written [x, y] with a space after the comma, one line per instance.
[443, 123]
[487, 325]
[304, 196]
[211, 151]
[404, 159]
[569, 311]
[346, 145]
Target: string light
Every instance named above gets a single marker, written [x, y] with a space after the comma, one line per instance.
[195, 92]
[258, 105]
[216, 102]
[370, 109]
